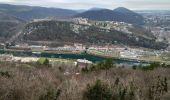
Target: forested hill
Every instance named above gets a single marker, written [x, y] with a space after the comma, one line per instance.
[119, 14]
[72, 32]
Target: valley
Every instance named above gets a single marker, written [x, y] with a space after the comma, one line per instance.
[84, 50]
[108, 34]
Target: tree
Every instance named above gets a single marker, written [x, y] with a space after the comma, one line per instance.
[101, 65]
[98, 91]
[158, 89]
[108, 63]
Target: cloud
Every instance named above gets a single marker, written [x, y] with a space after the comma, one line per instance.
[148, 4]
[85, 4]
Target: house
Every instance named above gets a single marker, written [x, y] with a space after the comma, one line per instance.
[82, 63]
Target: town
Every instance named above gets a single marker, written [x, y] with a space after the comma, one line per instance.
[108, 51]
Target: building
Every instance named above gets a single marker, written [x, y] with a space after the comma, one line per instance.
[128, 54]
[82, 63]
[79, 46]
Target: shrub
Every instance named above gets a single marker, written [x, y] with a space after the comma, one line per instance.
[151, 66]
[85, 70]
[51, 94]
[98, 91]
[106, 64]
[43, 61]
[102, 65]
[5, 74]
[134, 67]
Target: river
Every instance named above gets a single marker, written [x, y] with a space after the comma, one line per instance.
[89, 57]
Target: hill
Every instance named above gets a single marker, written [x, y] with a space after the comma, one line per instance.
[32, 12]
[87, 34]
[9, 26]
[120, 14]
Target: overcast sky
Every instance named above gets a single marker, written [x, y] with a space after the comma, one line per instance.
[86, 4]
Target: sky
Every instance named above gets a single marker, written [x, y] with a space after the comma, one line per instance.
[86, 4]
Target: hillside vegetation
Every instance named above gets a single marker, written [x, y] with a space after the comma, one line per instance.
[9, 26]
[70, 32]
[31, 81]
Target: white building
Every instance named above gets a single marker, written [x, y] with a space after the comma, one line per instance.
[84, 61]
[128, 54]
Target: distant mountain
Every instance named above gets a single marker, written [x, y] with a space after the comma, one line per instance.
[10, 18]
[95, 8]
[69, 32]
[32, 12]
[9, 26]
[120, 14]
[125, 11]
[132, 16]
[100, 15]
